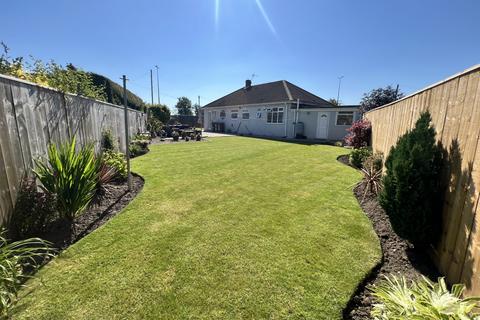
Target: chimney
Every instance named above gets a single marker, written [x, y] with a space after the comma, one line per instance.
[248, 84]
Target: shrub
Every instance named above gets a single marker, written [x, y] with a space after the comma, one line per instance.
[138, 148]
[175, 136]
[423, 299]
[108, 142]
[34, 210]
[372, 174]
[71, 176]
[16, 258]
[411, 193]
[359, 134]
[117, 161]
[357, 156]
[198, 137]
[338, 144]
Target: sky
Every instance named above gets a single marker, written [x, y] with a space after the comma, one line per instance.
[208, 48]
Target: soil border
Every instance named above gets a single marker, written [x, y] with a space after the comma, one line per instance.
[398, 255]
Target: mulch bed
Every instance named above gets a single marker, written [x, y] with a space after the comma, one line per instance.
[114, 198]
[399, 256]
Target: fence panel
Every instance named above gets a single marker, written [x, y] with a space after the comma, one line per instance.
[33, 116]
[455, 108]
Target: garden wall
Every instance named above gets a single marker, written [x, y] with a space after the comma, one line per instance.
[455, 108]
[32, 116]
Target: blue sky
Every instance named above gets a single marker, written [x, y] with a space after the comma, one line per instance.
[209, 47]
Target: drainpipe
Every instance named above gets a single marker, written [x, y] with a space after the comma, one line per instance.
[296, 119]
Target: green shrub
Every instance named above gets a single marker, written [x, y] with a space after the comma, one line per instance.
[357, 156]
[138, 148]
[411, 194]
[71, 176]
[108, 142]
[16, 259]
[423, 299]
[34, 210]
[117, 161]
[198, 137]
[338, 144]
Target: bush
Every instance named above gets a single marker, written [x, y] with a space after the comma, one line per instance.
[175, 136]
[117, 161]
[198, 137]
[34, 211]
[108, 142]
[338, 144]
[411, 194]
[138, 148]
[423, 299]
[372, 174]
[358, 156]
[16, 258]
[359, 134]
[71, 176]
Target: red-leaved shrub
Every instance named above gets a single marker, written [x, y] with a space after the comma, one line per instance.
[359, 134]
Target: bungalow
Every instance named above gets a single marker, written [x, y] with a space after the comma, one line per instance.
[278, 109]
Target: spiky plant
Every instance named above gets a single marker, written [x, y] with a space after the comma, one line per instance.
[17, 261]
[71, 175]
[422, 299]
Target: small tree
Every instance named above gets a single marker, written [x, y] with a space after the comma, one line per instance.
[379, 97]
[411, 194]
[359, 134]
[159, 111]
[334, 101]
[184, 106]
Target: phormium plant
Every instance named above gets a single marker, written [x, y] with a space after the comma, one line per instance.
[70, 175]
[411, 194]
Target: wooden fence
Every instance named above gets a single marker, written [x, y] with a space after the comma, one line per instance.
[455, 108]
[33, 116]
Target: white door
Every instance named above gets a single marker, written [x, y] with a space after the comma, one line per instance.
[322, 125]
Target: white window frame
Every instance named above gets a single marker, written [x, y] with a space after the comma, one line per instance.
[278, 111]
[344, 112]
[232, 112]
[223, 114]
[244, 111]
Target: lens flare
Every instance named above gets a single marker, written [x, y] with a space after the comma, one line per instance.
[265, 16]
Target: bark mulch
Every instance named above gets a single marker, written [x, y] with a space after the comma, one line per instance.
[399, 256]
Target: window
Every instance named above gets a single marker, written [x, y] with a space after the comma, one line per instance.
[214, 114]
[234, 114]
[245, 115]
[222, 114]
[275, 115]
[344, 118]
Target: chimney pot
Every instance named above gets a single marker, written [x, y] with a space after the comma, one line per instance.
[248, 84]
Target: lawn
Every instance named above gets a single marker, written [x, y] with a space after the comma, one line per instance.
[231, 228]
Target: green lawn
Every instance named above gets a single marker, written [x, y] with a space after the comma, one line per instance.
[232, 228]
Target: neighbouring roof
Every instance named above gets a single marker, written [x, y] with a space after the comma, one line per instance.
[278, 91]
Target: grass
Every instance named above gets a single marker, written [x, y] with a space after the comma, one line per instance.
[232, 228]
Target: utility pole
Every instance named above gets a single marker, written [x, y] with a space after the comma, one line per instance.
[396, 92]
[127, 135]
[151, 84]
[199, 101]
[158, 86]
[338, 92]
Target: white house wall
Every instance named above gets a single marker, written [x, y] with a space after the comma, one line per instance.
[259, 126]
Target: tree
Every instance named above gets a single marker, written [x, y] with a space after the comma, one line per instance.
[379, 97]
[184, 106]
[196, 109]
[411, 186]
[159, 111]
[334, 101]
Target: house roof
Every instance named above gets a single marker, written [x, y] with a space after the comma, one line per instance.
[277, 91]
